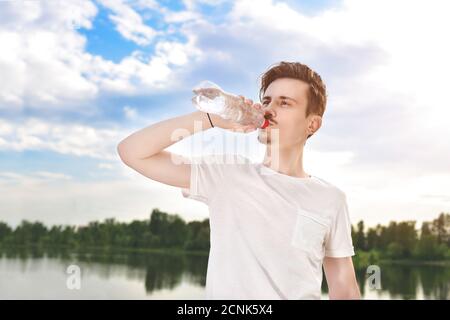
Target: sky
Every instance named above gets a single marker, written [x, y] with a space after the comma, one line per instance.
[78, 76]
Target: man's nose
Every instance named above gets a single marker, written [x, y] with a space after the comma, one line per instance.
[270, 112]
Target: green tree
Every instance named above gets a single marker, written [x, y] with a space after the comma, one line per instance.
[5, 231]
[441, 228]
[360, 237]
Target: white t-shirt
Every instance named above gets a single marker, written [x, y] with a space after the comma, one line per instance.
[269, 231]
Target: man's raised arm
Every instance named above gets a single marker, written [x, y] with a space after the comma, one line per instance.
[144, 151]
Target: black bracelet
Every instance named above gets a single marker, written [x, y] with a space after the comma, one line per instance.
[212, 126]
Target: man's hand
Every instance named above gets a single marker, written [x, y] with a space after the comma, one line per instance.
[341, 279]
[227, 124]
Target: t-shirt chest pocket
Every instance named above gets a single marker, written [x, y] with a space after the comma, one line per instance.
[309, 233]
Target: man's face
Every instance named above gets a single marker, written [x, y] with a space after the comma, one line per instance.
[286, 99]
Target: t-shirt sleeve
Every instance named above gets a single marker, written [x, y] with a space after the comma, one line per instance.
[207, 175]
[339, 242]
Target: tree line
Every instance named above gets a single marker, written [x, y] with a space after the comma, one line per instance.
[161, 230]
[402, 240]
[397, 240]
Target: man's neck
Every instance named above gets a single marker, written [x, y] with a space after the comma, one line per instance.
[287, 161]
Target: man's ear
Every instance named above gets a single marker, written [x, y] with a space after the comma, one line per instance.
[314, 124]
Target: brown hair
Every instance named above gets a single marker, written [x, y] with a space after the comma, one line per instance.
[317, 94]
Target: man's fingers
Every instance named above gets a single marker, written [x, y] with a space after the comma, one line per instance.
[257, 106]
[246, 100]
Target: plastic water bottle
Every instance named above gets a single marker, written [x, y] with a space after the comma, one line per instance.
[209, 97]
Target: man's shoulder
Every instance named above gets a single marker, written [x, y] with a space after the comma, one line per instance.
[332, 189]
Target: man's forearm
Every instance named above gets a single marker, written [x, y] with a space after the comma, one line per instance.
[345, 292]
[158, 136]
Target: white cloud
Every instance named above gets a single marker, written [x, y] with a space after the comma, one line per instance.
[40, 59]
[106, 166]
[8, 178]
[130, 113]
[180, 16]
[73, 139]
[44, 63]
[52, 175]
[129, 23]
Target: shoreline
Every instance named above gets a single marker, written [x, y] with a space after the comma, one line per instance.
[177, 251]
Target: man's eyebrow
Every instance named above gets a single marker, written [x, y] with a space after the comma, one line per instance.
[282, 97]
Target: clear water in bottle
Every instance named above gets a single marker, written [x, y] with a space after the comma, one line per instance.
[209, 97]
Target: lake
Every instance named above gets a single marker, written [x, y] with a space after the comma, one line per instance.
[35, 274]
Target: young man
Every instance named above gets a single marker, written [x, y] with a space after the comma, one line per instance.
[273, 226]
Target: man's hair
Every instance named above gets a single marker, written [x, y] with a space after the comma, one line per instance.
[317, 93]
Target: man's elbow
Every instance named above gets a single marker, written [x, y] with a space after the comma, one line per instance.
[122, 152]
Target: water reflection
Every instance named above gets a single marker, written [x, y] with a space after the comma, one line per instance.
[137, 275]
